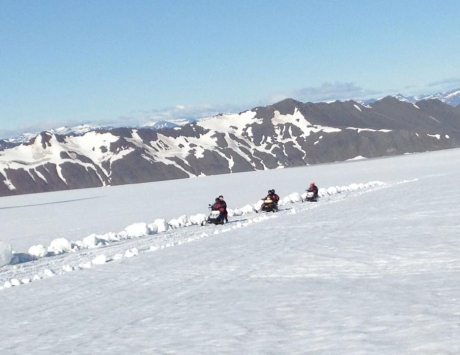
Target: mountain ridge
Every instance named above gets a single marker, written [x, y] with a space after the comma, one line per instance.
[285, 134]
[451, 98]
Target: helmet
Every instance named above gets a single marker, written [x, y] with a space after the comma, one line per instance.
[270, 191]
[217, 199]
[273, 191]
[221, 196]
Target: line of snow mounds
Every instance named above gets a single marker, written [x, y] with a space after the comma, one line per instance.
[133, 232]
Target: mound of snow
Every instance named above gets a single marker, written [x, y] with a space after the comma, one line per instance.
[123, 235]
[109, 237]
[181, 221]
[86, 265]
[153, 228]
[99, 260]
[173, 224]
[67, 268]
[161, 224]
[39, 251]
[131, 252]
[6, 254]
[198, 219]
[294, 197]
[49, 273]
[91, 241]
[251, 208]
[137, 230]
[60, 245]
[284, 201]
[118, 256]
[236, 212]
[7, 284]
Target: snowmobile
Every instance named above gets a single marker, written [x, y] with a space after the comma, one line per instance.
[268, 205]
[311, 197]
[215, 217]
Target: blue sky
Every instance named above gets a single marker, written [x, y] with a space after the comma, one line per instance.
[123, 62]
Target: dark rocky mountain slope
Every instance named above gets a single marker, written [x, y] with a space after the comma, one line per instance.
[286, 134]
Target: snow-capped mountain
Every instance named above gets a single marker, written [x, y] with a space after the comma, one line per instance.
[84, 128]
[161, 124]
[286, 134]
[403, 98]
[64, 130]
[23, 138]
[451, 98]
[170, 122]
[77, 130]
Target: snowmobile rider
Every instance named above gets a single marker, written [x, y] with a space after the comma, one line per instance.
[223, 207]
[218, 206]
[313, 188]
[274, 197]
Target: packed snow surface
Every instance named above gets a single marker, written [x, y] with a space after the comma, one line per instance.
[372, 268]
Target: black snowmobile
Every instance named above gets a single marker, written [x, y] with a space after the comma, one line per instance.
[311, 197]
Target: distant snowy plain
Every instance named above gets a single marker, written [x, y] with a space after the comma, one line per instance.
[369, 270]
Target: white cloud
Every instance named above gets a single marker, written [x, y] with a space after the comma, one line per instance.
[449, 81]
[326, 92]
[189, 112]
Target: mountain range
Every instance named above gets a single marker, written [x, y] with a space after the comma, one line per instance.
[451, 98]
[286, 134]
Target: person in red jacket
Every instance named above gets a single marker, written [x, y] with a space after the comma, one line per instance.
[274, 197]
[216, 206]
[223, 207]
[313, 188]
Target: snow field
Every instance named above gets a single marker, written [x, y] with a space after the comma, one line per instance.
[95, 250]
[368, 271]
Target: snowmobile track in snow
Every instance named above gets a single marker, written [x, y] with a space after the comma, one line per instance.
[23, 273]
